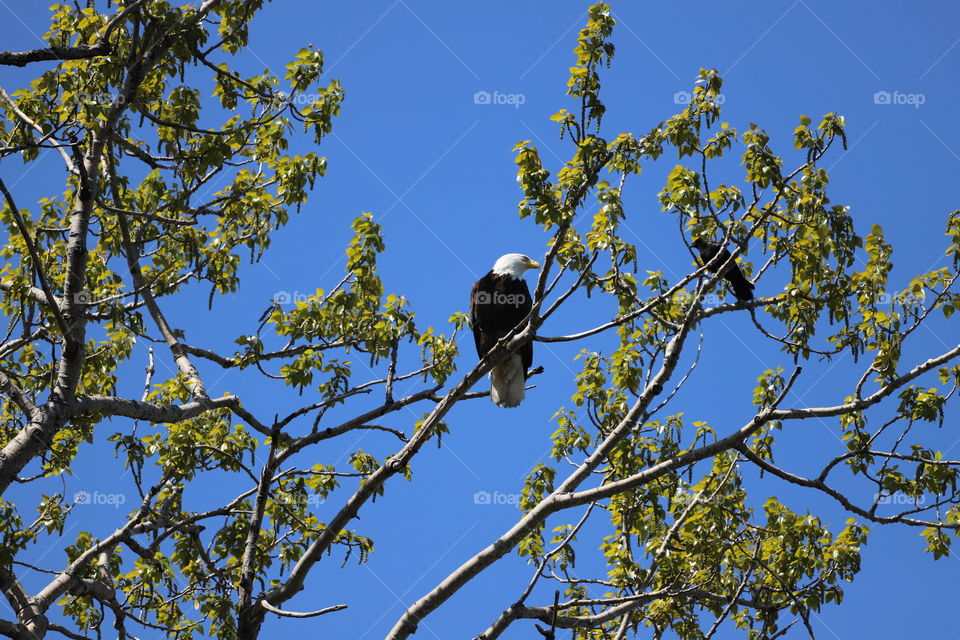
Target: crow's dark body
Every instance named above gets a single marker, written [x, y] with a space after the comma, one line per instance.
[742, 288]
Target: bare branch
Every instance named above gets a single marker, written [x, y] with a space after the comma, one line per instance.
[859, 404]
[293, 614]
[149, 411]
[822, 486]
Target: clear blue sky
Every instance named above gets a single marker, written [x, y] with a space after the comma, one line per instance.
[415, 148]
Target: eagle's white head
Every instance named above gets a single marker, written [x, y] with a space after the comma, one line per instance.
[514, 265]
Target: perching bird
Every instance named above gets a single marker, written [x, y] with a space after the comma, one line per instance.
[499, 301]
[742, 288]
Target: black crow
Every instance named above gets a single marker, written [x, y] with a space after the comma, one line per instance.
[742, 288]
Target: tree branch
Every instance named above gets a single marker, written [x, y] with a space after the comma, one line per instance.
[149, 411]
[15, 393]
[51, 300]
[81, 52]
[294, 614]
[859, 404]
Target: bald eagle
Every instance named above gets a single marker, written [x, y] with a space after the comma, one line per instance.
[498, 302]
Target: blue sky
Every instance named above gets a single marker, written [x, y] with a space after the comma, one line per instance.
[420, 147]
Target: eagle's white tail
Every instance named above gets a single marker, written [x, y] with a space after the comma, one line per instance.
[507, 380]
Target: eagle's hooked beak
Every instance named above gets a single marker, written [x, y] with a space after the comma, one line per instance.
[533, 264]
